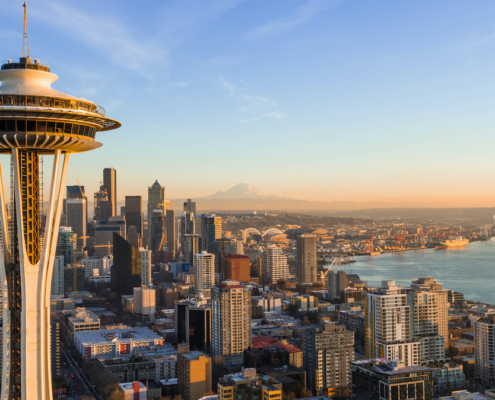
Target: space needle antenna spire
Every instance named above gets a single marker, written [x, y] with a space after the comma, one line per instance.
[25, 40]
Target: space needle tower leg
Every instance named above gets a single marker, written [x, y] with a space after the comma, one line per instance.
[28, 276]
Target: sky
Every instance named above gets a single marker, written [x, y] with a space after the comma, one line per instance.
[329, 100]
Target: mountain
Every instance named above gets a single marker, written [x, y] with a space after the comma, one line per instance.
[246, 197]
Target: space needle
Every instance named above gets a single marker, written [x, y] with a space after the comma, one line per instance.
[35, 120]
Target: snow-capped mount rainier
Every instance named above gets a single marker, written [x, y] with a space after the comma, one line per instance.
[240, 191]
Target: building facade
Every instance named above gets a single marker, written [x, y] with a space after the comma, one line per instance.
[231, 321]
[204, 271]
[306, 258]
[274, 265]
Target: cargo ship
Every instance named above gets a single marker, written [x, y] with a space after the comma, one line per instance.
[457, 241]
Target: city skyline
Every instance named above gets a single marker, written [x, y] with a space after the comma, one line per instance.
[327, 100]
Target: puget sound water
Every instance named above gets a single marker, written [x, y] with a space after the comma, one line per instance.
[469, 269]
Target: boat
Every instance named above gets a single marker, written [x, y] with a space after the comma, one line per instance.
[457, 241]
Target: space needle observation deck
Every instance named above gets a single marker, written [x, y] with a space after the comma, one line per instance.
[35, 120]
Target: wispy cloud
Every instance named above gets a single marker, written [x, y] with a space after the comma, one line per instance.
[103, 33]
[227, 85]
[306, 146]
[252, 102]
[286, 24]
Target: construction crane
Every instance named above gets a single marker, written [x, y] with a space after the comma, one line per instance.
[323, 274]
[80, 188]
[369, 243]
[105, 245]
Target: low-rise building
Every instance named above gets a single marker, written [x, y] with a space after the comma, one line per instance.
[126, 368]
[113, 342]
[247, 385]
[78, 320]
[133, 391]
[450, 377]
[381, 379]
[194, 374]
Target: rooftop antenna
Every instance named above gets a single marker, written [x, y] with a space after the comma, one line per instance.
[25, 41]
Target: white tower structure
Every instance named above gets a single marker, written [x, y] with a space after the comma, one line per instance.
[35, 120]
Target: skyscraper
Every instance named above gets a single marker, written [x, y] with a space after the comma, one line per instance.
[230, 322]
[204, 270]
[306, 258]
[190, 247]
[157, 229]
[126, 268]
[104, 235]
[144, 303]
[102, 210]
[156, 200]
[190, 206]
[58, 276]
[171, 234]
[77, 218]
[336, 282]
[65, 245]
[110, 185]
[211, 228]
[327, 352]
[274, 265]
[134, 213]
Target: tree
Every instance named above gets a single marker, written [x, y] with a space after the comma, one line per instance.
[306, 320]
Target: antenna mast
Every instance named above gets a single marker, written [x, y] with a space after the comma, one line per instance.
[25, 41]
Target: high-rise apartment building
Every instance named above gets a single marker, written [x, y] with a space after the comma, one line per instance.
[156, 201]
[187, 224]
[190, 206]
[77, 218]
[110, 184]
[204, 270]
[102, 207]
[134, 213]
[190, 248]
[145, 266]
[402, 323]
[211, 228]
[231, 322]
[193, 374]
[484, 351]
[171, 233]
[306, 258]
[58, 276]
[65, 244]
[126, 268]
[440, 303]
[99, 266]
[145, 303]
[387, 318]
[327, 352]
[104, 234]
[274, 265]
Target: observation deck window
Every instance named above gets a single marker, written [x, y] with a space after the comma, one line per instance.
[39, 101]
[23, 125]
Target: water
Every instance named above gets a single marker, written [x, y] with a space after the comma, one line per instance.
[469, 269]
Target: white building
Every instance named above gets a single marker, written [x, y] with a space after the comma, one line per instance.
[145, 266]
[133, 390]
[407, 352]
[204, 271]
[145, 303]
[97, 266]
[274, 265]
[113, 342]
[165, 367]
[58, 276]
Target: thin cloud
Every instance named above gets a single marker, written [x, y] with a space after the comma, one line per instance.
[302, 14]
[104, 34]
[227, 85]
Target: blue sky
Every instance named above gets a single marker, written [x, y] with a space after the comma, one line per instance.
[316, 99]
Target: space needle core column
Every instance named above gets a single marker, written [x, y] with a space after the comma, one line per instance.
[35, 120]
